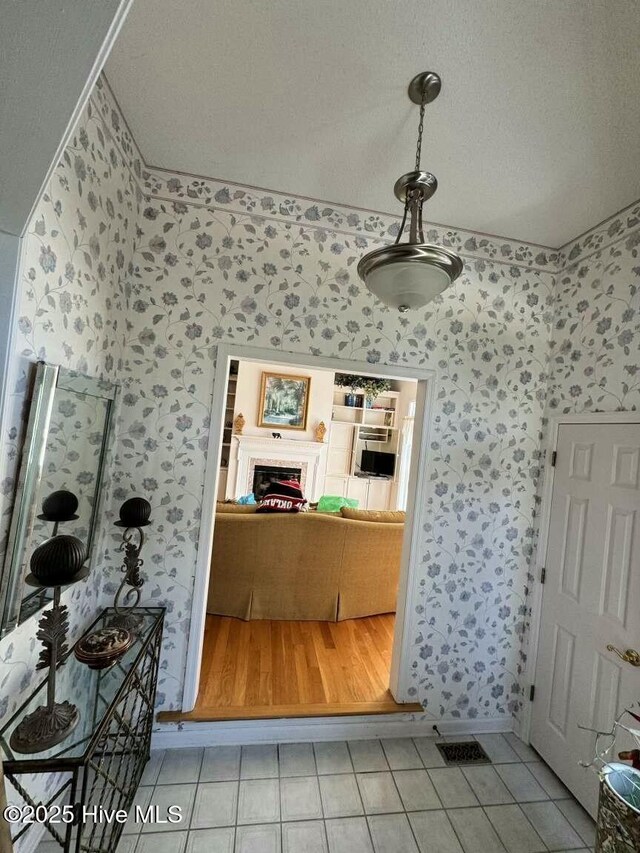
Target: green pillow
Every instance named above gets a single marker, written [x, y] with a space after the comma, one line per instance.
[334, 503]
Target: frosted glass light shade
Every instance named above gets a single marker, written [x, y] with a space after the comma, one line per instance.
[407, 276]
[407, 285]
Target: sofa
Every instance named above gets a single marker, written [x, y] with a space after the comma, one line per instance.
[308, 566]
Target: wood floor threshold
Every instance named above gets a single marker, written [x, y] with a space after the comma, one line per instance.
[269, 712]
[275, 670]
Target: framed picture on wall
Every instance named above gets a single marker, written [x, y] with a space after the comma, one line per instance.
[284, 400]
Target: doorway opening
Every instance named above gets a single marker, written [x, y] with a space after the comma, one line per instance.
[303, 614]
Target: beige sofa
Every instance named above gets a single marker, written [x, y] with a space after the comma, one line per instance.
[304, 566]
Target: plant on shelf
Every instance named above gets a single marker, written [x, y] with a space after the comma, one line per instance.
[373, 387]
[351, 381]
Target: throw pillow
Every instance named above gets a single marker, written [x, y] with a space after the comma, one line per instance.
[282, 496]
[334, 503]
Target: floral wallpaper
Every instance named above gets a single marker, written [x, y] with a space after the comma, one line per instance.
[197, 262]
[72, 459]
[245, 267]
[595, 352]
[77, 260]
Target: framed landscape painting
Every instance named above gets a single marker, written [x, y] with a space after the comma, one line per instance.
[284, 400]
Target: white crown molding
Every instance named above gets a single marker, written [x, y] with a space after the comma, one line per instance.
[370, 227]
[620, 226]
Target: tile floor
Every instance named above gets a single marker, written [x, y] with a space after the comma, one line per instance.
[389, 796]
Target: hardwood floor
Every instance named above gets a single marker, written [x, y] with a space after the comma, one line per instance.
[266, 669]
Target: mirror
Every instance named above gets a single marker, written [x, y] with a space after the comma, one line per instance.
[64, 451]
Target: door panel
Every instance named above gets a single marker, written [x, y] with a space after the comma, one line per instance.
[590, 599]
[335, 486]
[378, 497]
[357, 488]
[338, 461]
[341, 435]
[617, 568]
[573, 544]
[339, 454]
[562, 673]
[625, 467]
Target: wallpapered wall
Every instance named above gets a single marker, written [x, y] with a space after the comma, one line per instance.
[71, 460]
[218, 263]
[595, 353]
[78, 255]
[213, 263]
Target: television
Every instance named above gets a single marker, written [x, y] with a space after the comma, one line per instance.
[377, 463]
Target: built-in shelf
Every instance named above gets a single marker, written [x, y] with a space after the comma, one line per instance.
[374, 426]
[352, 429]
[364, 408]
[227, 431]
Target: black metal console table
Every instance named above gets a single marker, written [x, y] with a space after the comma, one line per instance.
[97, 768]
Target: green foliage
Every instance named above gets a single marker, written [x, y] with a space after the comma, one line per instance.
[349, 380]
[371, 386]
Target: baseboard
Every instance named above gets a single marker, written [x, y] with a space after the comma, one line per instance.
[172, 735]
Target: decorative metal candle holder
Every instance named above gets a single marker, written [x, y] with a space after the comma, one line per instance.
[55, 563]
[134, 515]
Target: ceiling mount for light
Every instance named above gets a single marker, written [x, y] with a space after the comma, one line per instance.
[409, 275]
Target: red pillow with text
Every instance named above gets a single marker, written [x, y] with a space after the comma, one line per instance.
[283, 496]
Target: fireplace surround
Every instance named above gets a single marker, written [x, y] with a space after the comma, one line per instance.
[263, 475]
[306, 458]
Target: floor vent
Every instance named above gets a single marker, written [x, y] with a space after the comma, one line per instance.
[463, 752]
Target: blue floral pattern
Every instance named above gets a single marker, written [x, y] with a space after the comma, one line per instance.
[524, 333]
[73, 310]
[595, 353]
[206, 274]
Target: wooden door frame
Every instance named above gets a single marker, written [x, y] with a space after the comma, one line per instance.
[408, 591]
[540, 559]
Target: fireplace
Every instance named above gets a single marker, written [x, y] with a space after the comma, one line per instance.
[276, 457]
[263, 475]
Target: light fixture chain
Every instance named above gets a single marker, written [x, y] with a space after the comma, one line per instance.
[423, 104]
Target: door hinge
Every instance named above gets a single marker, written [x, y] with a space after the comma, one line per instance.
[554, 457]
[543, 575]
[532, 692]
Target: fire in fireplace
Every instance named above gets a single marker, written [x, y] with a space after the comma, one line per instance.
[265, 474]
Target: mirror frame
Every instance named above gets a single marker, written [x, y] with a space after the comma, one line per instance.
[48, 378]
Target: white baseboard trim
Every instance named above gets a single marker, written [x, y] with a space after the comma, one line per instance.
[240, 732]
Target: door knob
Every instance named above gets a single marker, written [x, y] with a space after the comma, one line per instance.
[630, 656]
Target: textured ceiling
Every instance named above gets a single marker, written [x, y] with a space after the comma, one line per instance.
[536, 134]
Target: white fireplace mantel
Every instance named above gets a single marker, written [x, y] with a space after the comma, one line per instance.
[252, 450]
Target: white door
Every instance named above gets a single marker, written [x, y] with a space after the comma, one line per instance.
[591, 599]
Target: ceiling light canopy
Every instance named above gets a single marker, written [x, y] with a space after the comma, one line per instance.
[409, 275]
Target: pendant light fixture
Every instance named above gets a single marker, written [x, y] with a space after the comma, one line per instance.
[409, 275]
